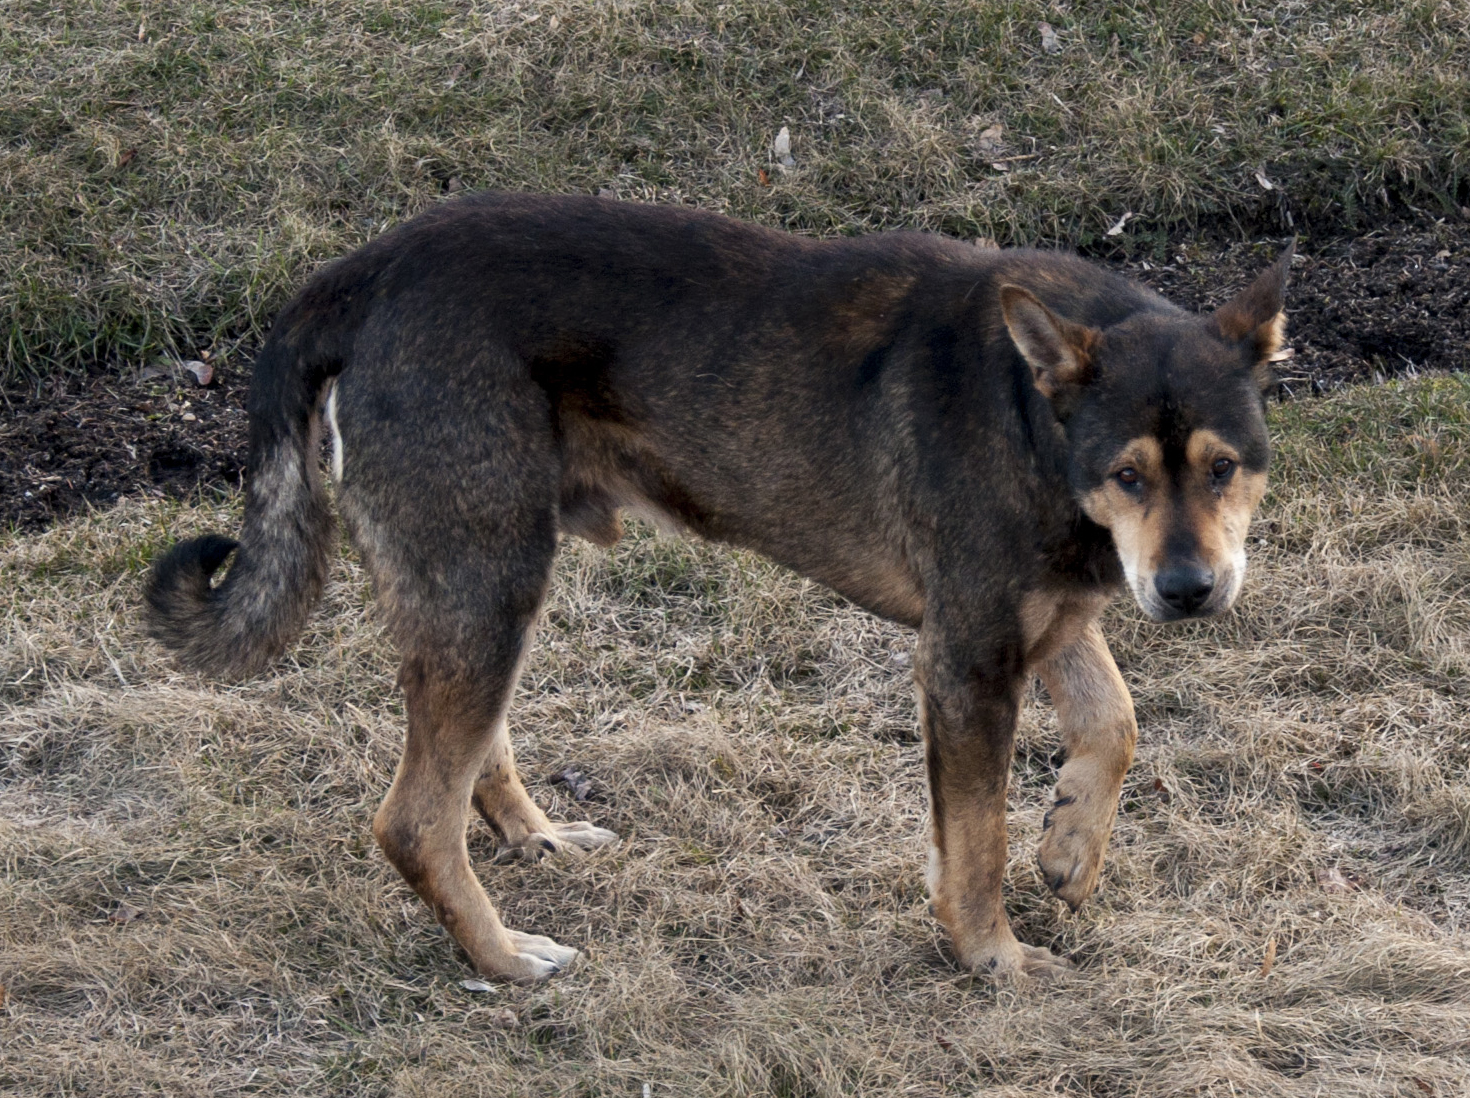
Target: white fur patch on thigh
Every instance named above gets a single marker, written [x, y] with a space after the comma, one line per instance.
[337, 451]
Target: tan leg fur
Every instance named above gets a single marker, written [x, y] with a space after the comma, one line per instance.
[967, 855]
[421, 827]
[1098, 735]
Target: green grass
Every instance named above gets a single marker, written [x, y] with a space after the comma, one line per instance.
[163, 193]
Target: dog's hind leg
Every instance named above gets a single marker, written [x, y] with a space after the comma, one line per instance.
[1098, 736]
[523, 829]
[450, 488]
[421, 824]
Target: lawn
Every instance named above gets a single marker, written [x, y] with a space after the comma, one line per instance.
[192, 903]
[194, 906]
[170, 170]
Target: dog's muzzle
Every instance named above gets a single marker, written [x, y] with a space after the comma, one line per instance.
[1188, 589]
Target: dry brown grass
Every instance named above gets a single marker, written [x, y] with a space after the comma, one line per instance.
[192, 903]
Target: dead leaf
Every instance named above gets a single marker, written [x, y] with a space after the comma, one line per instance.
[4, 995]
[477, 986]
[1425, 445]
[1266, 184]
[577, 783]
[142, 32]
[991, 142]
[1049, 41]
[1199, 38]
[943, 1042]
[1117, 228]
[554, 22]
[781, 149]
[1270, 961]
[126, 158]
[1333, 881]
[125, 914]
[203, 372]
[1427, 1088]
[1000, 166]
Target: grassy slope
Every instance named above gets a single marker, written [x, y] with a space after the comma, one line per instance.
[193, 905]
[169, 170]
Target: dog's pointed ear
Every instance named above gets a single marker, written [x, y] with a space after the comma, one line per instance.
[1255, 316]
[1058, 351]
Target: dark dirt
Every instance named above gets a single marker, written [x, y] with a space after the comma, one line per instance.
[1395, 300]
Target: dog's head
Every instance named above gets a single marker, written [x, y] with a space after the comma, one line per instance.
[1165, 419]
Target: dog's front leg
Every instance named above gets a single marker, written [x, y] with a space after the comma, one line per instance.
[1098, 736]
[968, 714]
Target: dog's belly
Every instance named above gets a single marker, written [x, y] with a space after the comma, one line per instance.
[610, 468]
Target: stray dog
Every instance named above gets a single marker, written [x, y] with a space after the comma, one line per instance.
[980, 444]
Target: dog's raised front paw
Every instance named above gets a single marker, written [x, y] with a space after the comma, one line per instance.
[1075, 837]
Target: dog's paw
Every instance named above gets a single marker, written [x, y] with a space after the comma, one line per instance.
[535, 957]
[577, 835]
[1010, 960]
[1074, 840]
[1039, 963]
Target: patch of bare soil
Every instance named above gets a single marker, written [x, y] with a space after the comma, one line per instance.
[1394, 300]
[78, 442]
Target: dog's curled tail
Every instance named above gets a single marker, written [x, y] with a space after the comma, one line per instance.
[235, 628]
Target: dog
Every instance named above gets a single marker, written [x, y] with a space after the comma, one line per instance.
[981, 444]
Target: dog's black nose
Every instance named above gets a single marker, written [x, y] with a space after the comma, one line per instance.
[1185, 586]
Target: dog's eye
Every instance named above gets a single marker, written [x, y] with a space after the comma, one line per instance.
[1127, 476]
[1222, 467]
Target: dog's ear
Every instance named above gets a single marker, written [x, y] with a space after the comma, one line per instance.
[1255, 315]
[1058, 351]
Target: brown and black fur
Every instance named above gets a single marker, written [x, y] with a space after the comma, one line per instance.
[980, 444]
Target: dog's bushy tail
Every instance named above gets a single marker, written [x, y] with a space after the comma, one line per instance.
[236, 627]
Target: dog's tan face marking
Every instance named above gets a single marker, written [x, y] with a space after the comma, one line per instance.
[1192, 514]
